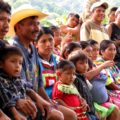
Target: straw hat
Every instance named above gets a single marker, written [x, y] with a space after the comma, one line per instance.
[21, 13]
[98, 4]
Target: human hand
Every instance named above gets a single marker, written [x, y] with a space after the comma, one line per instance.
[68, 38]
[42, 105]
[3, 116]
[107, 64]
[27, 107]
[84, 104]
[18, 116]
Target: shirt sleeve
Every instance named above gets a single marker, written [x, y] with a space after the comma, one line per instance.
[84, 32]
[56, 94]
[6, 98]
[110, 79]
[40, 81]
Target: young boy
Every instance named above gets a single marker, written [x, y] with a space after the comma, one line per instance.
[12, 92]
[57, 39]
[66, 93]
[11, 88]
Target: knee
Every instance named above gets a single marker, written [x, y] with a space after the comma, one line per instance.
[55, 115]
[68, 113]
[115, 114]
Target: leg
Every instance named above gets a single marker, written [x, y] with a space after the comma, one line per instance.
[55, 115]
[68, 113]
[115, 115]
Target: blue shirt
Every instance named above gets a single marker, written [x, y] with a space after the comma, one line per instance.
[31, 72]
[99, 91]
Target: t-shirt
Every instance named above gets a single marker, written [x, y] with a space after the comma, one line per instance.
[99, 91]
[31, 72]
[49, 76]
[70, 95]
[90, 30]
[115, 35]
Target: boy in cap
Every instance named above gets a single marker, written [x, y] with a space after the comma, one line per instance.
[93, 28]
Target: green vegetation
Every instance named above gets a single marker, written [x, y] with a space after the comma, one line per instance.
[57, 9]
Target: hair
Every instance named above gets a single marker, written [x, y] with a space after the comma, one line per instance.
[3, 43]
[105, 44]
[64, 65]
[75, 56]
[68, 48]
[44, 30]
[84, 44]
[54, 28]
[73, 14]
[7, 51]
[92, 42]
[112, 9]
[5, 7]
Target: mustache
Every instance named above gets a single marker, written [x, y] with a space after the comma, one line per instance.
[35, 31]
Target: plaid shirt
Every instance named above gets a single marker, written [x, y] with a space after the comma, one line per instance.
[11, 89]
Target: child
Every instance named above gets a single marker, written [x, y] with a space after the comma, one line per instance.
[57, 39]
[95, 49]
[68, 48]
[80, 60]
[66, 93]
[10, 67]
[71, 31]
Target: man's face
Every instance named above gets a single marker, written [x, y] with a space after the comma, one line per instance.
[98, 14]
[29, 28]
[4, 24]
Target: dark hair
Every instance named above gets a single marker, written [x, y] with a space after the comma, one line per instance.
[112, 9]
[44, 30]
[75, 56]
[65, 65]
[5, 7]
[7, 51]
[84, 44]
[105, 44]
[2, 43]
[54, 28]
[92, 42]
[69, 48]
[73, 14]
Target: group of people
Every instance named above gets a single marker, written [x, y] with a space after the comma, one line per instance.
[69, 72]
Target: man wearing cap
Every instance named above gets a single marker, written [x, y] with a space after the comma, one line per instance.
[25, 24]
[114, 33]
[5, 13]
[93, 28]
